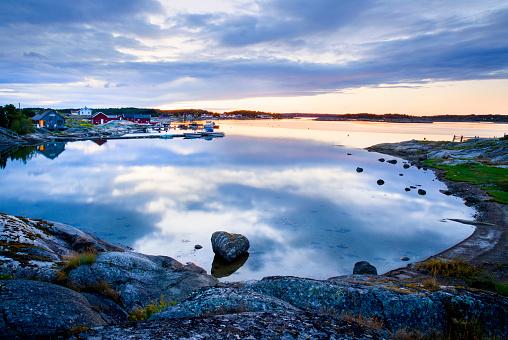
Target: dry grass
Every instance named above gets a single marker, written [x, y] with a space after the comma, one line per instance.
[431, 284]
[453, 268]
[371, 322]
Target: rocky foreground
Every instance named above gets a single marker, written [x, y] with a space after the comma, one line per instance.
[46, 293]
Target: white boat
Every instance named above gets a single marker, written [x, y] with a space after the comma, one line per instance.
[210, 125]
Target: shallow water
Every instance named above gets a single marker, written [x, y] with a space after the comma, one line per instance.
[297, 197]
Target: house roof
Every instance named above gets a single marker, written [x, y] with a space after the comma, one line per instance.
[43, 115]
[133, 115]
[102, 113]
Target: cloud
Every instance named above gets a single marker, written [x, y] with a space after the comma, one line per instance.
[34, 55]
[263, 48]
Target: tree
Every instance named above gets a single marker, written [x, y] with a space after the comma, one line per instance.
[3, 118]
[22, 125]
[16, 120]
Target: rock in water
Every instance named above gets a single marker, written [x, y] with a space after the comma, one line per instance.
[380, 182]
[359, 169]
[364, 267]
[229, 246]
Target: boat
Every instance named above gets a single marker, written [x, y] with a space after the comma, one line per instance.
[210, 125]
[193, 134]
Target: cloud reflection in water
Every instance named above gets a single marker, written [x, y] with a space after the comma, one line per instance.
[295, 200]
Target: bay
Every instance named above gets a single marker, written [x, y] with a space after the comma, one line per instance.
[291, 187]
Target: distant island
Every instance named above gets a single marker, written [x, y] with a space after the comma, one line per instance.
[403, 118]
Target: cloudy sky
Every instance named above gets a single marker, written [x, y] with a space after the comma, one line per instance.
[335, 56]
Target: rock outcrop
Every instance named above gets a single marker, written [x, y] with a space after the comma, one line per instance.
[229, 246]
[37, 249]
[33, 309]
[267, 325]
[140, 279]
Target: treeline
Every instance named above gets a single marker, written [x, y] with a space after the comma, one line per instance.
[17, 120]
[176, 113]
[396, 117]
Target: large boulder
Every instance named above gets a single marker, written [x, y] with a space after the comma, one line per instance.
[213, 301]
[229, 246]
[33, 309]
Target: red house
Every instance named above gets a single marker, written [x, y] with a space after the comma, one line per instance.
[135, 118]
[101, 118]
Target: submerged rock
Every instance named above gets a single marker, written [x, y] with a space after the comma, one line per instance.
[380, 182]
[364, 267]
[392, 161]
[359, 169]
[422, 192]
[229, 246]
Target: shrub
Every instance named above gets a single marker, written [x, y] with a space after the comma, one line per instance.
[5, 277]
[154, 307]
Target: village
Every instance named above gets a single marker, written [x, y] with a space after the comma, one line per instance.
[53, 120]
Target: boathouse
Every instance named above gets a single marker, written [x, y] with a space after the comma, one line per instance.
[50, 120]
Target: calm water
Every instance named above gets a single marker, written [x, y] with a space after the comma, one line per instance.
[291, 187]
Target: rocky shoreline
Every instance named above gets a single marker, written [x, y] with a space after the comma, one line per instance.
[45, 293]
[487, 247]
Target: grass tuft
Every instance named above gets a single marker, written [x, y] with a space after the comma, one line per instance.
[80, 259]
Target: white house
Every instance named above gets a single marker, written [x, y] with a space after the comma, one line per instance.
[85, 112]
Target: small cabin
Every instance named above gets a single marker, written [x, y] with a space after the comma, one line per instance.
[50, 120]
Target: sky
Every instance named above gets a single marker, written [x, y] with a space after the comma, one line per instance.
[418, 57]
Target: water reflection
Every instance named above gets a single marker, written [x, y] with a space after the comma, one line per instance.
[301, 203]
